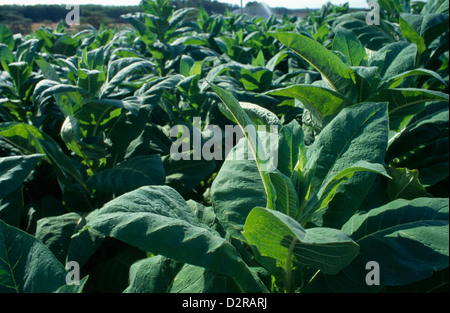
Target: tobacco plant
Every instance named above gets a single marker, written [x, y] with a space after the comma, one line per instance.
[354, 121]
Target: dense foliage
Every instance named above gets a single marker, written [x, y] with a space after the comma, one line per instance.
[362, 123]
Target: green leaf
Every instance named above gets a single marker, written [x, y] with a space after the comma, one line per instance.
[373, 37]
[394, 59]
[408, 239]
[286, 196]
[398, 79]
[90, 80]
[323, 103]
[404, 102]
[184, 175]
[153, 275]
[264, 161]
[317, 203]
[257, 114]
[32, 141]
[235, 191]
[291, 147]
[129, 175]
[405, 184]
[26, 264]
[157, 219]
[195, 279]
[357, 133]
[437, 6]
[114, 78]
[336, 73]
[281, 237]
[6, 55]
[69, 98]
[423, 144]
[6, 37]
[56, 231]
[346, 42]
[423, 29]
[84, 242]
[14, 170]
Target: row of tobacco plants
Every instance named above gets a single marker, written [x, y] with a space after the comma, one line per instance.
[358, 201]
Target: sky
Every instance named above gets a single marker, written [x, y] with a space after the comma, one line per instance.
[292, 4]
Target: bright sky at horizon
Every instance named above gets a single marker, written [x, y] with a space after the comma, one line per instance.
[292, 4]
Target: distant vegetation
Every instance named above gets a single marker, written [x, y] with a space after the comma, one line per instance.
[20, 18]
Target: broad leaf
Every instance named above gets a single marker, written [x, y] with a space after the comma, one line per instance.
[157, 219]
[337, 74]
[405, 184]
[56, 231]
[281, 237]
[31, 140]
[235, 191]
[291, 147]
[346, 42]
[357, 133]
[129, 175]
[404, 102]
[407, 238]
[323, 103]
[14, 170]
[153, 275]
[264, 159]
[26, 264]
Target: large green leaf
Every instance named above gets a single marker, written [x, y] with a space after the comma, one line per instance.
[402, 231]
[357, 133]
[157, 219]
[404, 102]
[437, 6]
[281, 237]
[394, 59]
[153, 275]
[318, 202]
[159, 274]
[336, 73]
[323, 103]
[423, 144]
[373, 37]
[265, 157]
[235, 191]
[26, 264]
[117, 74]
[130, 174]
[398, 79]
[291, 147]
[32, 141]
[14, 170]
[349, 45]
[423, 29]
[405, 184]
[90, 80]
[407, 238]
[56, 231]
[286, 195]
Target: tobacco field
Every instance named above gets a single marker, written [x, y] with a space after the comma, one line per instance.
[357, 201]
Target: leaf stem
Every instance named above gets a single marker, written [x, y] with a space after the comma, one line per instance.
[289, 278]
